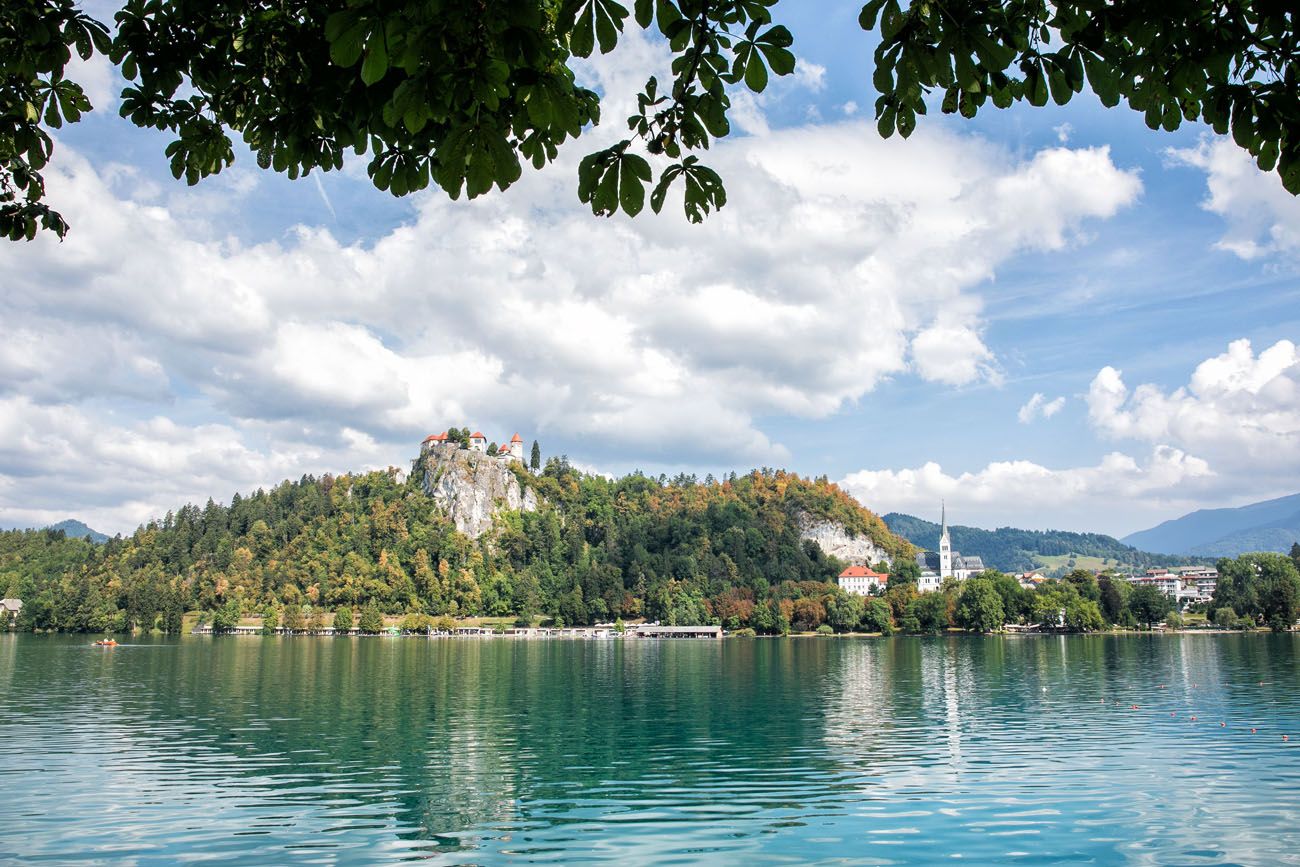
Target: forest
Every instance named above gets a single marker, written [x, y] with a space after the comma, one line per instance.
[674, 550]
[679, 551]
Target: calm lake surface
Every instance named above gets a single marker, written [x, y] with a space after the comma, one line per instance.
[900, 751]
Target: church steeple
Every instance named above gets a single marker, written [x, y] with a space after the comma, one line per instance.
[945, 543]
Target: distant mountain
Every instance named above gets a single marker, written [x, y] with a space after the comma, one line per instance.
[78, 530]
[1011, 550]
[1272, 525]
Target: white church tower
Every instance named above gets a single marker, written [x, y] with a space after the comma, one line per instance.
[945, 545]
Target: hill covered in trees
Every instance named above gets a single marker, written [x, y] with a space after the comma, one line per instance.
[1013, 550]
[677, 550]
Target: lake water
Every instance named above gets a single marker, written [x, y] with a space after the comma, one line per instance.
[899, 751]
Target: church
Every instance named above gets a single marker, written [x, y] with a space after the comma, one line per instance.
[945, 563]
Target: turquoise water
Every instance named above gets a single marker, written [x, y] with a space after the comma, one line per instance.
[899, 751]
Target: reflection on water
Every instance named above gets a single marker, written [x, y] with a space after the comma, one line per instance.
[907, 750]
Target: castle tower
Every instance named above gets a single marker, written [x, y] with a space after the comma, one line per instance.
[945, 544]
[517, 447]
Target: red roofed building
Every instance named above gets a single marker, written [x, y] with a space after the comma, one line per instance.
[862, 581]
[478, 442]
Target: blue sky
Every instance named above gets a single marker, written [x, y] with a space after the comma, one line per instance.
[883, 313]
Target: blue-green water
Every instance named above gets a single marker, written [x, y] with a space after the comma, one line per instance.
[905, 750]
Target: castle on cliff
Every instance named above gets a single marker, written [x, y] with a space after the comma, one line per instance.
[512, 453]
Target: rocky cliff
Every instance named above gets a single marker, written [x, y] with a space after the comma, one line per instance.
[472, 487]
[836, 541]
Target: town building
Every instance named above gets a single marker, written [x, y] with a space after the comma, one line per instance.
[862, 581]
[654, 630]
[1186, 585]
[945, 563]
[1031, 580]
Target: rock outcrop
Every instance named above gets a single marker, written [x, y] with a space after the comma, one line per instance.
[472, 488]
[835, 541]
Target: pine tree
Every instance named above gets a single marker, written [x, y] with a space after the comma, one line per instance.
[535, 461]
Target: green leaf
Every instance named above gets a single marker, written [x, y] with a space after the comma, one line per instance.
[781, 61]
[950, 100]
[885, 125]
[867, 17]
[345, 51]
[906, 121]
[777, 36]
[634, 173]
[582, 40]
[756, 73]
[375, 66]
[608, 23]
[1104, 80]
[644, 12]
[667, 14]
[1059, 85]
[661, 189]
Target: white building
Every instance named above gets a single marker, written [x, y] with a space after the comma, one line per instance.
[945, 563]
[1186, 585]
[862, 581]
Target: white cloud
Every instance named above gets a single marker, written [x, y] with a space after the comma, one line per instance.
[1115, 495]
[1240, 411]
[810, 75]
[1233, 431]
[953, 355]
[1262, 217]
[841, 260]
[1039, 406]
[61, 461]
[849, 108]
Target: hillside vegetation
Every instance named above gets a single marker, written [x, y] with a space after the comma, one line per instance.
[675, 550]
[1013, 550]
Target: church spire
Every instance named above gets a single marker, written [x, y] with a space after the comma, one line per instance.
[943, 519]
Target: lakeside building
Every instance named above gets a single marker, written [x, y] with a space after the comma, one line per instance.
[1031, 580]
[649, 630]
[945, 563]
[513, 452]
[10, 609]
[862, 581]
[1186, 585]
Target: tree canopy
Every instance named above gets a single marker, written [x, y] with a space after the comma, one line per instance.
[462, 95]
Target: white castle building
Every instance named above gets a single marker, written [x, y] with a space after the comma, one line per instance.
[511, 453]
[945, 563]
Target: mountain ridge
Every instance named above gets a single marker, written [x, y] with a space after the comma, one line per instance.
[1268, 525]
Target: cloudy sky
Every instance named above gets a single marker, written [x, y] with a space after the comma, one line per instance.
[1046, 317]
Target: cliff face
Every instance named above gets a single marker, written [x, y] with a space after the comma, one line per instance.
[835, 541]
[472, 487]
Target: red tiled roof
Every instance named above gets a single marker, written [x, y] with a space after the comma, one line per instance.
[477, 436]
[516, 439]
[863, 572]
